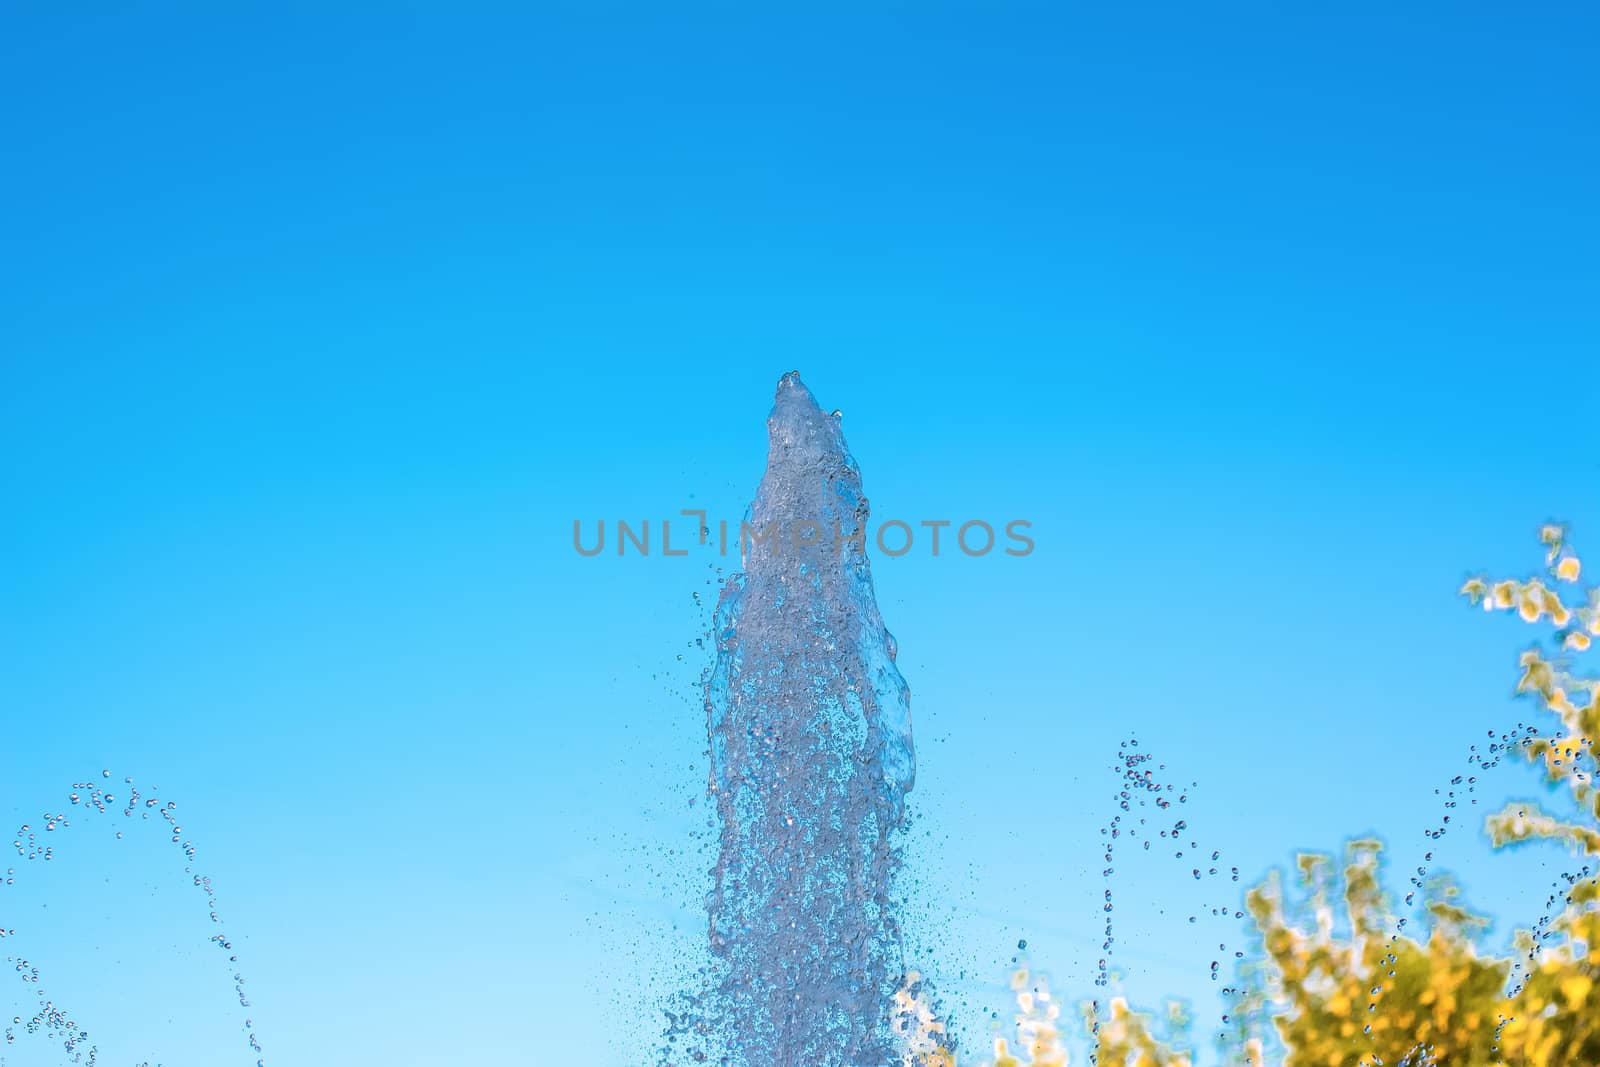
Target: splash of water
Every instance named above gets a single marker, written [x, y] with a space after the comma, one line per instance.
[810, 728]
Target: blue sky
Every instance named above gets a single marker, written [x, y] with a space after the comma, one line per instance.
[319, 325]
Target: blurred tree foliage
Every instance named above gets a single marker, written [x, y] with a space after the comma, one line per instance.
[1339, 981]
[1343, 984]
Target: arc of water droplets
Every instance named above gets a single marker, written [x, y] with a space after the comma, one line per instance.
[93, 797]
[1140, 786]
[1142, 782]
[1501, 745]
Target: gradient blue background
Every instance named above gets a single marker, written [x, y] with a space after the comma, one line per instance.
[320, 324]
